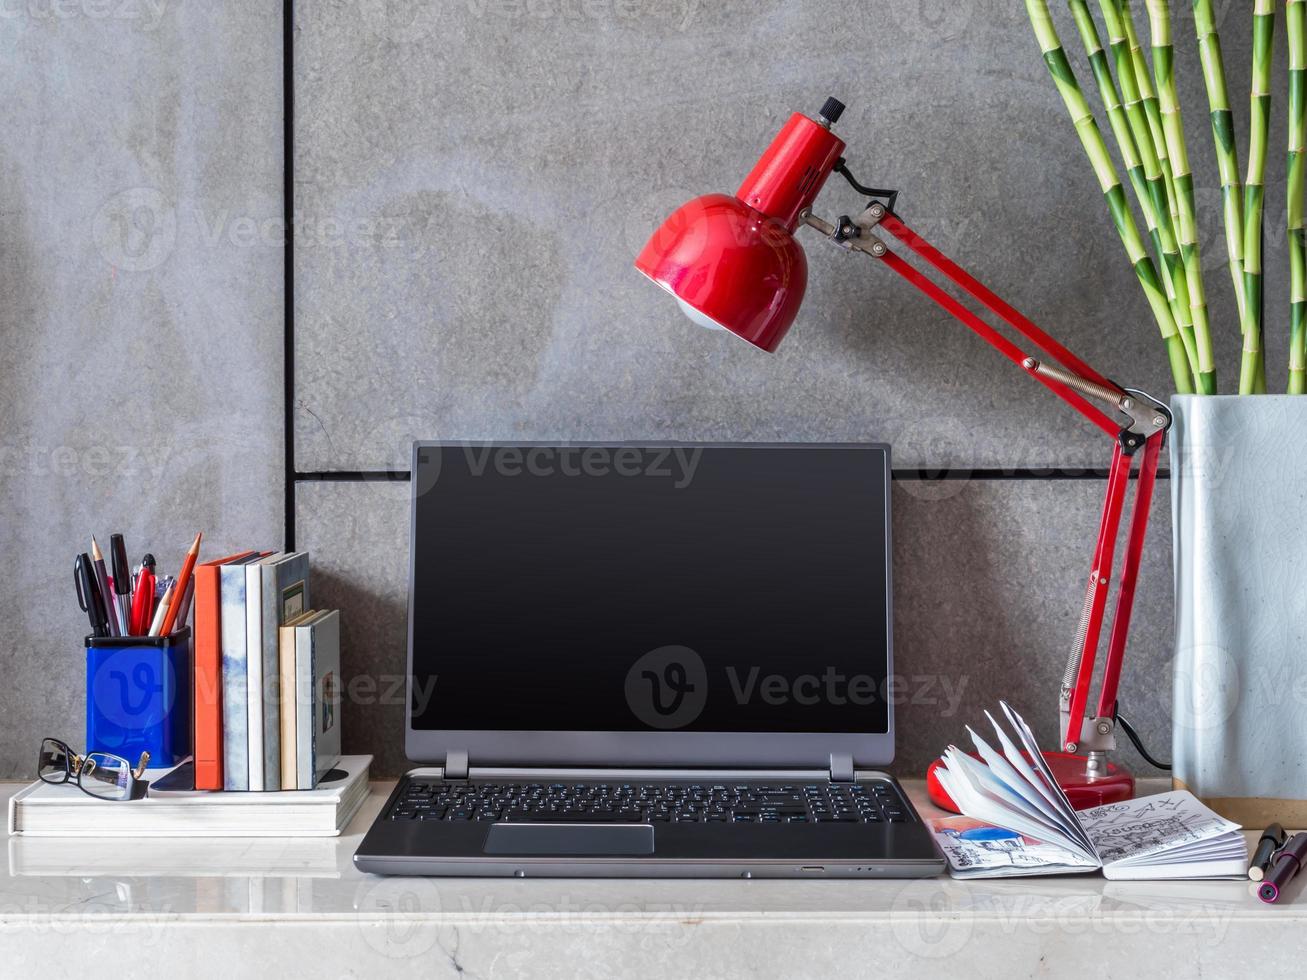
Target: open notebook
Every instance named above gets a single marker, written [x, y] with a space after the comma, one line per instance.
[1017, 821]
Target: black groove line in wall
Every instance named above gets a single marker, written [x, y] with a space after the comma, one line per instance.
[908, 475]
[294, 477]
[288, 257]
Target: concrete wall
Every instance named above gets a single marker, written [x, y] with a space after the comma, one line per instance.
[472, 181]
[140, 318]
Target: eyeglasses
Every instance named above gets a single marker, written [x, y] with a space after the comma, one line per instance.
[100, 774]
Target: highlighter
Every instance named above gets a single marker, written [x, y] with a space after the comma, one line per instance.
[1287, 863]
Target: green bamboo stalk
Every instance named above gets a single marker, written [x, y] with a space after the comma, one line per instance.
[1111, 100]
[1110, 184]
[1295, 22]
[1227, 153]
[1176, 281]
[1152, 108]
[1252, 364]
[1186, 214]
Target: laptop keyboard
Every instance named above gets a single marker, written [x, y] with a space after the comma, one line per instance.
[647, 802]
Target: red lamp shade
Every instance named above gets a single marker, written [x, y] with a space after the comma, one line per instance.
[729, 267]
[733, 262]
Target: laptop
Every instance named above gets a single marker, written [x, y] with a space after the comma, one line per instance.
[649, 661]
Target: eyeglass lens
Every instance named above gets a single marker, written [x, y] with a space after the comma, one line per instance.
[52, 765]
[106, 776]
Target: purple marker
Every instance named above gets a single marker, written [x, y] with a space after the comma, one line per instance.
[1288, 862]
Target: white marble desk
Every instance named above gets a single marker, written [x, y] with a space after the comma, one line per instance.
[233, 908]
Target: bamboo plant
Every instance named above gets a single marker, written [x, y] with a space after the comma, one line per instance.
[1137, 90]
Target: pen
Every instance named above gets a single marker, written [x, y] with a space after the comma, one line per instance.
[179, 589]
[184, 610]
[156, 627]
[1271, 841]
[102, 580]
[88, 595]
[122, 581]
[143, 605]
[1287, 863]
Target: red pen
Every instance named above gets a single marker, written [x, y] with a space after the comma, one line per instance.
[143, 604]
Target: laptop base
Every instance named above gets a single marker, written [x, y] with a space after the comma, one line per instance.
[795, 832]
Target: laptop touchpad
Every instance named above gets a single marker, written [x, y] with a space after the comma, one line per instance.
[569, 838]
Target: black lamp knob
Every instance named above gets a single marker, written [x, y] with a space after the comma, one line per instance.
[832, 111]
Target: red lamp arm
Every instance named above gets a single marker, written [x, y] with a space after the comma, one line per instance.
[1145, 430]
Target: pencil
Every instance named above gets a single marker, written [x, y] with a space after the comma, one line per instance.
[156, 628]
[102, 581]
[179, 588]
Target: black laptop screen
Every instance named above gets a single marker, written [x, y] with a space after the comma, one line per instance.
[615, 588]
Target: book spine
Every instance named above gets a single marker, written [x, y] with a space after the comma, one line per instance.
[208, 678]
[254, 674]
[286, 669]
[235, 714]
[326, 694]
[268, 623]
[304, 706]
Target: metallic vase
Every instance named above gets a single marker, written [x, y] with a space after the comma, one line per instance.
[1239, 503]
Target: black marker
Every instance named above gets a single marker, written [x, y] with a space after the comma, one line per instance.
[88, 595]
[122, 579]
[1273, 838]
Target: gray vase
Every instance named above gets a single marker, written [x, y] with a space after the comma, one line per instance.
[1239, 504]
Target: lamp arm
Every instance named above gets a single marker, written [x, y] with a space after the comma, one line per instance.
[1142, 425]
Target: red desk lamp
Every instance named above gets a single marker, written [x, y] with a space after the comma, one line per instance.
[733, 263]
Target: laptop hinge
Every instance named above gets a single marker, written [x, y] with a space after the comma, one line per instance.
[841, 767]
[456, 764]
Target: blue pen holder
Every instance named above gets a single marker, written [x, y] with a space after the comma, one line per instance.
[138, 696]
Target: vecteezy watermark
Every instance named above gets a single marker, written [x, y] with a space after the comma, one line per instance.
[410, 21]
[149, 12]
[676, 464]
[397, 916]
[668, 688]
[135, 230]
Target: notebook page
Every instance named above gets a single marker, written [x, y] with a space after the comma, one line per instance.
[1031, 745]
[1132, 831]
[1019, 762]
[965, 780]
[979, 850]
[1002, 769]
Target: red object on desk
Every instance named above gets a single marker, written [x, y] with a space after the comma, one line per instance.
[142, 604]
[734, 263]
[1068, 770]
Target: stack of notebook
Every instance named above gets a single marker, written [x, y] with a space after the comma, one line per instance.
[267, 675]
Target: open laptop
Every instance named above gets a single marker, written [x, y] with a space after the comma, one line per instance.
[649, 660]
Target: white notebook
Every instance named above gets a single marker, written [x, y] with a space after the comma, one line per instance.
[65, 811]
[1016, 820]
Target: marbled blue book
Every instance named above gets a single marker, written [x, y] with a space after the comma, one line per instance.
[235, 713]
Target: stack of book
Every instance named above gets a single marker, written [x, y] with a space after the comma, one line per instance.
[267, 675]
[44, 810]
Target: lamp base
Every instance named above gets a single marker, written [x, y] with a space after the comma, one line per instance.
[1084, 791]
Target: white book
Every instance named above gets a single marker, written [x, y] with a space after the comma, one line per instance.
[1016, 820]
[288, 699]
[254, 684]
[65, 811]
[317, 695]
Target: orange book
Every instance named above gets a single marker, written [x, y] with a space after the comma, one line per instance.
[207, 682]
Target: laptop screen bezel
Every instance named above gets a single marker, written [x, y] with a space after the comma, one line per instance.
[649, 749]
